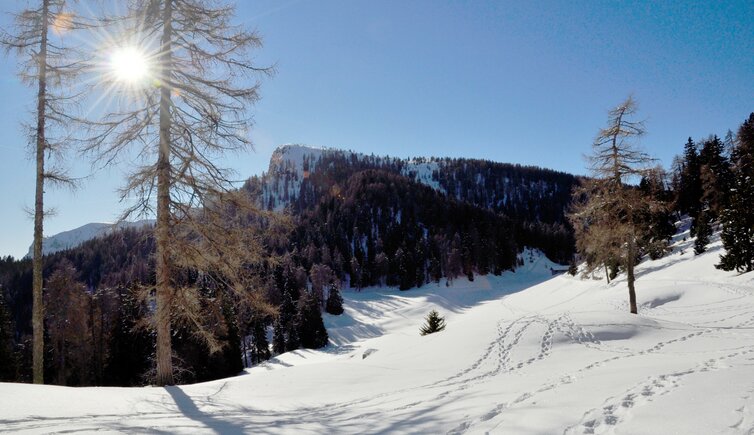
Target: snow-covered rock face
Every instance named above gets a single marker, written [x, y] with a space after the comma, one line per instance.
[423, 172]
[75, 237]
[290, 164]
[291, 156]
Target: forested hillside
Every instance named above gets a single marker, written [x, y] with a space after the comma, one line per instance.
[355, 220]
[533, 199]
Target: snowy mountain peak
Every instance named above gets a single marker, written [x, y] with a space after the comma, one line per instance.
[77, 236]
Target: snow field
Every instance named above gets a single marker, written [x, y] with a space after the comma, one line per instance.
[522, 353]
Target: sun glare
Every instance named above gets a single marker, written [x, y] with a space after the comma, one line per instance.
[129, 65]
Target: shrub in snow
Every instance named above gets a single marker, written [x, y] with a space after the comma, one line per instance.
[573, 269]
[434, 323]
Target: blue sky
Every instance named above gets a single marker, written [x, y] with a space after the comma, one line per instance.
[522, 82]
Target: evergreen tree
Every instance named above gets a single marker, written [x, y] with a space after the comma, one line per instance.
[334, 301]
[278, 337]
[690, 194]
[356, 274]
[312, 331]
[657, 214]
[229, 360]
[715, 176]
[8, 360]
[289, 316]
[292, 338]
[703, 233]
[321, 276]
[433, 323]
[405, 268]
[737, 218]
[131, 346]
[260, 350]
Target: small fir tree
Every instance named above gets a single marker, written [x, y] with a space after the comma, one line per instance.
[278, 338]
[292, 338]
[690, 194]
[334, 302]
[260, 350]
[703, 233]
[433, 323]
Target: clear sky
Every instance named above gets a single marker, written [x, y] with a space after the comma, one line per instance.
[509, 81]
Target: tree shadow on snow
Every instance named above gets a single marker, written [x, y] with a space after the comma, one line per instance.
[657, 266]
[188, 408]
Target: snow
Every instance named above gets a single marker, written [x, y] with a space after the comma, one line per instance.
[525, 352]
[423, 172]
[77, 236]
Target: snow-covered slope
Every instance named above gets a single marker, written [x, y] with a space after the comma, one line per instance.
[75, 237]
[522, 353]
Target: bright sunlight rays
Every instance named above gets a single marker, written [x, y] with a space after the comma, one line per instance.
[129, 65]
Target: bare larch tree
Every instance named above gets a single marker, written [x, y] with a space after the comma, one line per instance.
[49, 63]
[608, 212]
[191, 110]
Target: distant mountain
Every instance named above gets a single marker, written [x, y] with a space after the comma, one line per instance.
[291, 164]
[532, 198]
[75, 237]
[517, 190]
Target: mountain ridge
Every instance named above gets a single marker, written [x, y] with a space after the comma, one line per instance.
[290, 164]
[76, 236]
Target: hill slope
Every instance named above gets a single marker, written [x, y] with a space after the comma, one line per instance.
[561, 356]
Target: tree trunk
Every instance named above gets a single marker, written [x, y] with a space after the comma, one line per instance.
[244, 349]
[37, 317]
[61, 369]
[630, 275]
[164, 290]
[607, 273]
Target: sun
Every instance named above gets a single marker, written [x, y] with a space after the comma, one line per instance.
[129, 65]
